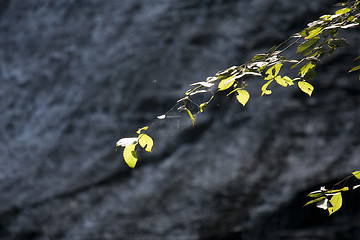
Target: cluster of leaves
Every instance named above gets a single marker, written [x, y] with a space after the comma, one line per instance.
[312, 44]
[129, 144]
[331, 200]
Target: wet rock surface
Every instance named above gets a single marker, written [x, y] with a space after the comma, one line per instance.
[78, 75]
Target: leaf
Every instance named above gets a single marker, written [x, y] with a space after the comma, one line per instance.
[305, 45]
[146, 142]
[337, 190]
[123, 142]
[130, 155]
[342, 11]
[288, 80]
[306, 68]
[273, 71]
[202, 106]
[243, 96]
[318, 193]
[281, 81]
[258, 57]
[324, 204]
[226, 83]
[264, 90]
[314, 201]
[203, 84]
[355, 187]
[161, 117]
[336, 202]
[191, 117]
[142, 129]
[356, 174]
[355, 69]
[315, 32]
[306, 87]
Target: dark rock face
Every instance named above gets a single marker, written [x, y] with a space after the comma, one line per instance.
[77, 75]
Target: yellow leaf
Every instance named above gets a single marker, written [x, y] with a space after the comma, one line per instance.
[146, 142]
[288, 80]
[273, 71]
[306, 87]
[243, 96]
[226, 83]
[130, 155]
[336, 202]
[356, 174]
[264, 90]
[281, 81]
[342, 11]
[191, 117]
[142, 129]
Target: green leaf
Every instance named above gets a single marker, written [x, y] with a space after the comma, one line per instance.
[264, 90]
[306, 87]
[226, 83]
[258, 57]
[342, 11]
[307, 44]
[315, 32]
[306, 68]
[355, 69]
[130, 155]
[146, 142]
[356, 174]
[336, 202]
[191, 117]
[273, 71]
[243, 96]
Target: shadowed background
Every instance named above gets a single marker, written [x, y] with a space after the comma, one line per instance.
[78, 75]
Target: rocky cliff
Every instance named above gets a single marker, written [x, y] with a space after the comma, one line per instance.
[78, 75]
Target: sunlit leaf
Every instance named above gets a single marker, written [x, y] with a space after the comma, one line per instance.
[324, 204]
[315, 32]
[123, 142]
[161, 117]
[202, 106]
[356, 174]
[281, 81]
[226, 83]
[265, 90]
[338, 190]
[314, 201]
[355, 69]
[355, 187]
[306, 45]
[288, 80]
[336, 202]
[242, 96]
[146, 142]
[130, 156]
[273, 71]
[318, 193]
[306, 68]
[342, 11]
[306, 87]
[142, 129]
[191, 117]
